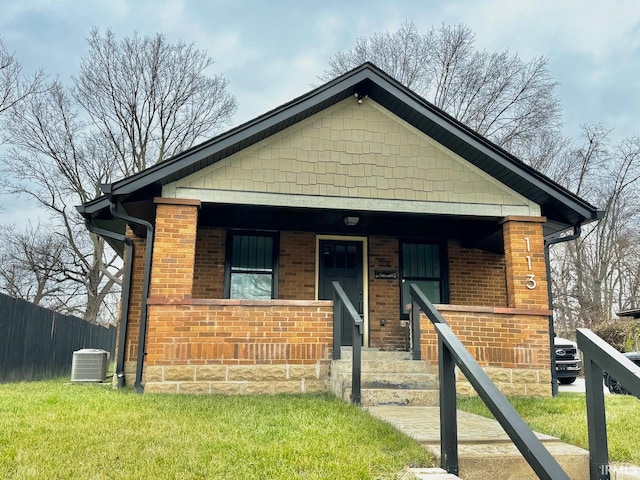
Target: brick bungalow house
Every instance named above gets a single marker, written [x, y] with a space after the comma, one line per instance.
[231, 246]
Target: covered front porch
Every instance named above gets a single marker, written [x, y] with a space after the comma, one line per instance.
[236, 306]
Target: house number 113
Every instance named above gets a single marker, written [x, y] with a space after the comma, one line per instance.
[531, 283]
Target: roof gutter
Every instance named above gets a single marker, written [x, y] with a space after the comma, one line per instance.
[552, 334]
[126, 288]
[142, 336]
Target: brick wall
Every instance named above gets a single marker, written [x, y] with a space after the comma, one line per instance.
[511, 344]
[239, 332]
[297, 266]
[208, 273]
[476, 277]
[384, 300]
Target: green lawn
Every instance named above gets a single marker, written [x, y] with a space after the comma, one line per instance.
[565, 417]
[57, 430]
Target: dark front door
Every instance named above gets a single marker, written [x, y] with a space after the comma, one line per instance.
[341, 261]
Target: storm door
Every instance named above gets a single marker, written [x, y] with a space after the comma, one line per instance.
[341, 260]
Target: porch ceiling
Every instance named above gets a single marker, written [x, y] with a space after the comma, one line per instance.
[473, 232]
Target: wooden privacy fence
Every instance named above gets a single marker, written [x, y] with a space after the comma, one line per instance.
[36, 343]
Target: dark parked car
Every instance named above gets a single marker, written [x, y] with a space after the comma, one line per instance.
[568, 361]
[612, 384]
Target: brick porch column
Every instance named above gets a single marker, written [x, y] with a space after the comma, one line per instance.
[174, 248]
[525, 266]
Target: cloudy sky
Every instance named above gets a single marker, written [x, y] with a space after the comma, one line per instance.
[273, 50]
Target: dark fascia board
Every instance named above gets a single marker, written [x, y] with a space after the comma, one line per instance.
[94, 207]
[359, 80]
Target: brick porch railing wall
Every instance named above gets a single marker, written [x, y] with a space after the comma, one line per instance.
[511, 344]
[238, 346]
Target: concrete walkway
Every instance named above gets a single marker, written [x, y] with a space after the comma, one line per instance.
[484, 449]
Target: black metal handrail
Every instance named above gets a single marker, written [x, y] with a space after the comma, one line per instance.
[340, 298]
[452, 352]
[599, 356]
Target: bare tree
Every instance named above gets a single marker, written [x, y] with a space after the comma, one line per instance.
[151, 99]
[14, 87]
[133, 104]
[598, 274]
[32, 265]
[497, 94]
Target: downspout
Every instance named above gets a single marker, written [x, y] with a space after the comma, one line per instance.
[142, 336]
[547, 260]
[126, 289]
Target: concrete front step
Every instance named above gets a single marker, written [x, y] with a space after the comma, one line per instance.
[346, 353]
[395, 396]
[425, 381]
[381, 366]
[430, 474]
[503, 460]
[388, 378]
[484, 449]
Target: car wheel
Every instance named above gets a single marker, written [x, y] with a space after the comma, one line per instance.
[566, 380]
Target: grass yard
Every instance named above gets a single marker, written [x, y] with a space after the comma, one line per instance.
[566, 417]
[56, 430]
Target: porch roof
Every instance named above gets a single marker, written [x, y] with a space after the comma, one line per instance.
[562, 208]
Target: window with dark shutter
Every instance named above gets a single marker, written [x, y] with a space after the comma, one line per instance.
[422, 264]
[251, 265]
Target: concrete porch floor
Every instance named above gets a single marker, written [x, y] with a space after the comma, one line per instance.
[484, 449]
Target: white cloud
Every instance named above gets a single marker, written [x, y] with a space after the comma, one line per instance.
[586, 27]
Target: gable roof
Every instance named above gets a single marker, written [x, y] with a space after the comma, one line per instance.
[562, 208]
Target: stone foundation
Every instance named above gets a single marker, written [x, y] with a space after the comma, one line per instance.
[511, 381]
[237, 379]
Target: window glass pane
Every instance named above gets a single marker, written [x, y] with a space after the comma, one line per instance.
[431, 288]
[250, 285]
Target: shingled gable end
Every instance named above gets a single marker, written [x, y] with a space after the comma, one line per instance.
[360, 181]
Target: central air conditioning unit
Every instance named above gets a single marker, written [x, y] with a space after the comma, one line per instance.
[89, 365]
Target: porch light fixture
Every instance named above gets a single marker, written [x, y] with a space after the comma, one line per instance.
[360, 97]
[351, 221]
